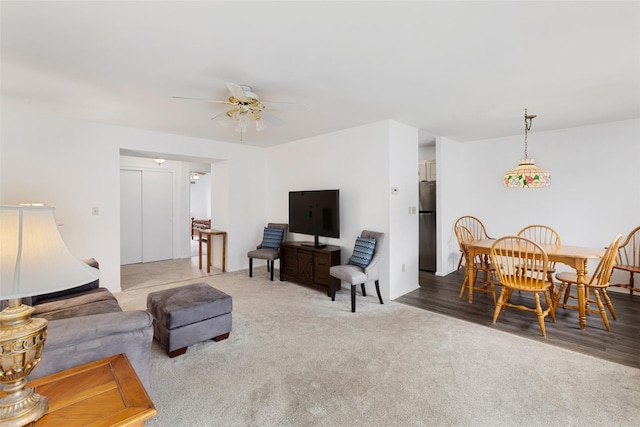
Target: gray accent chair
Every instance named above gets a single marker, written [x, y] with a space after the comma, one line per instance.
[354, 274]
[268, 254]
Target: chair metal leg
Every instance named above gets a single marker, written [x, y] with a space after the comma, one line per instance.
[268, 269]
[353, 298]
[250, 267]
[332, 291]
[272, 261]
[378, 291]
[364, 291]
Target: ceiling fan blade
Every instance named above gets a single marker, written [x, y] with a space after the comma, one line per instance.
[288, 106]
[218, 115]
[236, 91]
[271, 119]
[200, 99]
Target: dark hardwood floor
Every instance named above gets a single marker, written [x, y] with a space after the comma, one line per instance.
[620, 345]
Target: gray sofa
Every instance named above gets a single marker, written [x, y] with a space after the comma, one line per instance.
[87, 324]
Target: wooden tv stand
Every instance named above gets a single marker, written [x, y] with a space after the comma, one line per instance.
[303, 263]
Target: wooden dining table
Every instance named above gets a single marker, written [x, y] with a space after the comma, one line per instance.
[575, 257]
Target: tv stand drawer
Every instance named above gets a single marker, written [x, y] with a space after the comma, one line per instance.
[321, 266]
[309, 265]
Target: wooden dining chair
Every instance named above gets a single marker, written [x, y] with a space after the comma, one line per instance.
[628, 259]
[545, 236]
[480, 264]
[475, 226]
[598, 282]
[508, 255]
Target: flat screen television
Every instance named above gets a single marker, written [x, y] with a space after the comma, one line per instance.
[316, 213]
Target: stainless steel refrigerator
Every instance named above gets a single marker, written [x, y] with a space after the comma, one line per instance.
[427, 225]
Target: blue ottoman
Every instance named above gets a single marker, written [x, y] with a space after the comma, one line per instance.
[189, 314]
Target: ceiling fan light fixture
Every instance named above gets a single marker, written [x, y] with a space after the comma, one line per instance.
[260, 125]
[245, 106]
[225, 120]
[243, 123]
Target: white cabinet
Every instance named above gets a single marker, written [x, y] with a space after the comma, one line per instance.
[431, 170]
[427, 170]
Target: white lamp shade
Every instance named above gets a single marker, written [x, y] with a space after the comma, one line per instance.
[33, 257]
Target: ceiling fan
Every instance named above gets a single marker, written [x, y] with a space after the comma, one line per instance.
[246, 106]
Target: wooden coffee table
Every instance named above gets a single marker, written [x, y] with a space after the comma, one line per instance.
[102, 393]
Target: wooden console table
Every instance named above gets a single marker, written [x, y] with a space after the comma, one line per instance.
[105, 393]
[307, 264]
[208, 234]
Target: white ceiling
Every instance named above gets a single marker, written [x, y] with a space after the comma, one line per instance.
[463, 70]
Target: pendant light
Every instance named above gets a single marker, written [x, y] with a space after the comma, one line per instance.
[527, 174]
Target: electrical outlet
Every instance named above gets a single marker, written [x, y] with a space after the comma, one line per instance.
[403, 268]
[95, 211]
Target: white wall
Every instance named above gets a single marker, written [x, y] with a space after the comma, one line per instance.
[451, 203]
[74, 166]
[594, 192]
[427, 153]
[355, 161]
[403, 233]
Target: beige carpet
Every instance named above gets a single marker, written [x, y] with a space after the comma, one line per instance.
[294, 358]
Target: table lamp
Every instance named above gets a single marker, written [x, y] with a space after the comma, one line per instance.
[33, 260]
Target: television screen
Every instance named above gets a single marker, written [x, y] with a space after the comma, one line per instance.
[316, 213]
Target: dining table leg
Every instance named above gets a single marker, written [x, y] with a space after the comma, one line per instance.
[581, 272]
[471, 278]
[470, 282]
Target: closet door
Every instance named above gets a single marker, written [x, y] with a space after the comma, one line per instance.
[130, 217]
[146, 216]
[157, 216]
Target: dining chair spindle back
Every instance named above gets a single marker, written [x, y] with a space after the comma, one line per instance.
[475, 227]
[543, 235]
[628, 259]
[479, 264]
[598, 282]
[509, 254]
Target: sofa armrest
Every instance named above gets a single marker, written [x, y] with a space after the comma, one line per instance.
[78, 340]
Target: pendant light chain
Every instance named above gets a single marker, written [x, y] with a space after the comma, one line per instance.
[528, 120]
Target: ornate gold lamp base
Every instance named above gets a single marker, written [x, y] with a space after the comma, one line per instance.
[21, 342]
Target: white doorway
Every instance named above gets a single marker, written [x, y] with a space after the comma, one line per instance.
[199, 202]
[200, 195]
